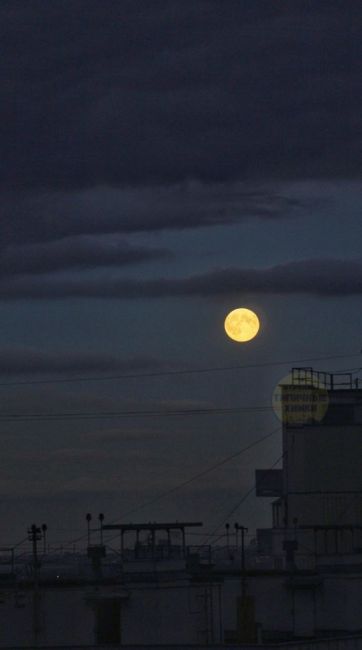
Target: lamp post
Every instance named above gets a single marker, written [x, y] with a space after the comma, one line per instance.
[243, 530]
[34, 536]
[101, 520]
[44, 530]
[227, 527]
[88, 519]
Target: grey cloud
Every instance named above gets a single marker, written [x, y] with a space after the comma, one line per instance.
[25, 361]
[328, 277]
[142, 93]
[135, 116]
[75, 253]
[50, 216]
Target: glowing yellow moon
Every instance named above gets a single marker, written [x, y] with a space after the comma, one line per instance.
[241, 324]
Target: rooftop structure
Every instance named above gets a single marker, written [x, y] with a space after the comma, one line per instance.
[320, 485]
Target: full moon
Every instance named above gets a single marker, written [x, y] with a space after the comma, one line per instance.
[241, 325]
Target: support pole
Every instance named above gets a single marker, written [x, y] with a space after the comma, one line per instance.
[34, 536]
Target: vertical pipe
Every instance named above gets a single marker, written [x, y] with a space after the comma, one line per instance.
[221, 633]
[88, 518]
[33, 537]
[183, 542]
[101, 519]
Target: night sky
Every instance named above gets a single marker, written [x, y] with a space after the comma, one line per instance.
[163, 162]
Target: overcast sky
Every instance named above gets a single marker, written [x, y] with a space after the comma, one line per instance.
[162, 163]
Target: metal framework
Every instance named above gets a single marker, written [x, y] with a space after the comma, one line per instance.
[153, 529]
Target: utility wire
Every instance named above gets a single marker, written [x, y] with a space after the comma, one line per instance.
[168, 373]
[183, 484]
[101, 415]
[200, 474]
[241, 501]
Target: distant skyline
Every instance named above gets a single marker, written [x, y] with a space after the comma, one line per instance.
[163, 163]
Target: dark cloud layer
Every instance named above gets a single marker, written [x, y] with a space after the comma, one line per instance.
[74, 253]
[25, 361]
[53, 215]
[138, 92]
[315, 277]
[121, 117]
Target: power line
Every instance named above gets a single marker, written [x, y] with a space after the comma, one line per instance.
[183, 484]
[168, 373]
[200, 474]
[242, 500]
[100, 415]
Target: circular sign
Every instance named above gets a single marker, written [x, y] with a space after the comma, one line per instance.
[297, 403]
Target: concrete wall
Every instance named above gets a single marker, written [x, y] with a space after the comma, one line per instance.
[62, 614]
[172, 614]
[286, 606]
[150, 614]
[321, 457]
[344, 643]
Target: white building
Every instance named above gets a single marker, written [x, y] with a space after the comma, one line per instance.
[302, 580]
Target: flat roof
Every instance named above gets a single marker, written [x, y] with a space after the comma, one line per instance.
[177, 525]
